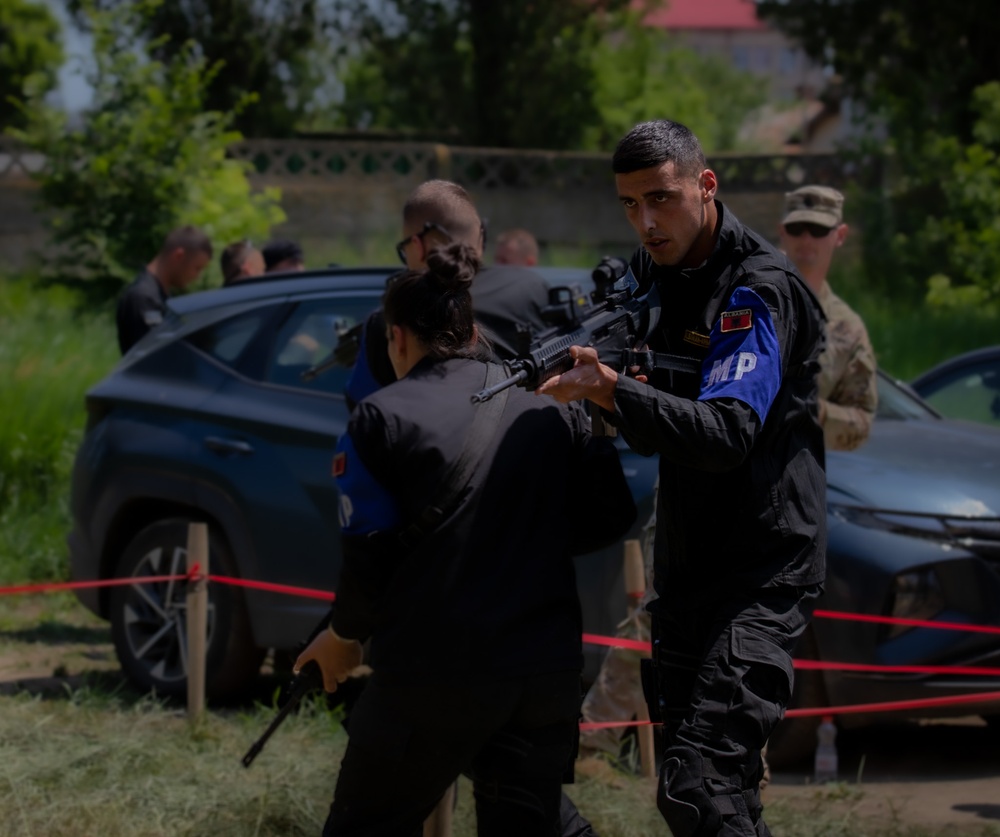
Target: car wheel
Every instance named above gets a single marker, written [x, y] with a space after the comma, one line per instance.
[794, 739]
[148, 620]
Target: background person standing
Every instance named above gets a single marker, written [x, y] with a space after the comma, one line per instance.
[185, 253]
[810, 232]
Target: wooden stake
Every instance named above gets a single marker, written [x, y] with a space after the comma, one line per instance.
[635, 589]
[635, 572]
[197, 618]
[438, 824]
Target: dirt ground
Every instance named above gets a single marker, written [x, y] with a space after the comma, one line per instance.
[943, 775]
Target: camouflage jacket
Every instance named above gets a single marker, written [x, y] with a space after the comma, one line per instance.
[847, 391]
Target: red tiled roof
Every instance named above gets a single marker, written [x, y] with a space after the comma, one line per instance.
[679, 15]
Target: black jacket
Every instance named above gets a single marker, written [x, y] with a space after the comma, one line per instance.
[493, 589]
[140, 307]
[742, 500]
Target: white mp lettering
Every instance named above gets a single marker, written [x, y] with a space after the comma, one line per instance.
[746, 363]
[720, 371]
[346, 511]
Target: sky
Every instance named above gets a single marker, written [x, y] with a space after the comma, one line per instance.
[73, 91]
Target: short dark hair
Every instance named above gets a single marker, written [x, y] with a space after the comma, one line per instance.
[189, 239]
[280, 250]
[449, 206]
[651, 144]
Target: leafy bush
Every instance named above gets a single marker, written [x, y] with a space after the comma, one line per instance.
[144, 159]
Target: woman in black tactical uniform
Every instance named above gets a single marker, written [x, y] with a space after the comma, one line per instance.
[458, 535]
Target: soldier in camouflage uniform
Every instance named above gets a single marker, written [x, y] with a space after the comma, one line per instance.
[810, 231]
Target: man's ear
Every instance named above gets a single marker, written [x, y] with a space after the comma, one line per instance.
[709, 185]
[842, 234]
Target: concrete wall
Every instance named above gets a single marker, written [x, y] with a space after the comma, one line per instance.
[337, 192]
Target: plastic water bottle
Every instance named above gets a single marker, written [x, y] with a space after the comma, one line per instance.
[825, 767]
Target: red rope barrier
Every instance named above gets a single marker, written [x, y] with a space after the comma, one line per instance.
[275, 588]
[82, 585]
[915, 623]
[637, 645]
[886, 706]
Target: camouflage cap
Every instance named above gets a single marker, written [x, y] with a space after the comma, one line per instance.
[814, 205]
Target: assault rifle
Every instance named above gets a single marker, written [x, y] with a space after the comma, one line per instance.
[308, 679]
[613, 321]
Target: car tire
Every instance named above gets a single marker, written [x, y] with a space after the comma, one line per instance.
[794, 739]
[148, 620]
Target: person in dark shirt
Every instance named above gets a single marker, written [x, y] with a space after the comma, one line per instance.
[473, 615]
[516, 247]
[507, 300]
[240, 260]
[282, 255]
[185, 253]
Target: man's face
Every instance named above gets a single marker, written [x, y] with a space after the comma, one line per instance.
[187, 267]
[669, 213]
[809, 253]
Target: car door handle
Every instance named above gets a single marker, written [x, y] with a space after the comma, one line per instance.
[226, 446]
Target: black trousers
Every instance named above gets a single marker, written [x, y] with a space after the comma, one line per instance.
[409, 741]
[723, 681]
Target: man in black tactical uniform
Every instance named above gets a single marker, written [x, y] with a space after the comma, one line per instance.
[185, 253]
[741, 527]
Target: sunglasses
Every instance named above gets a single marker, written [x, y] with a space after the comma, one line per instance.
[428, 227]
[815, 230]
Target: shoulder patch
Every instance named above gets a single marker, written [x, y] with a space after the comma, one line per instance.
[339, 464]
[740, 319]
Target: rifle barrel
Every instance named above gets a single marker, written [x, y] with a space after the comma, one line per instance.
[489, 392]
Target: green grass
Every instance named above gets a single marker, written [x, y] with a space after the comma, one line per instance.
[86, 756]
[50, 354]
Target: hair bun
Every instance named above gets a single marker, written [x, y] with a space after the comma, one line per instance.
[453, 267]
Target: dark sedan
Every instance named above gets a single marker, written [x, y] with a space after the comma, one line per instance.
[914, 533]
[966, 386]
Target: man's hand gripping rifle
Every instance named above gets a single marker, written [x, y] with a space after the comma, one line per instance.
[614, 322]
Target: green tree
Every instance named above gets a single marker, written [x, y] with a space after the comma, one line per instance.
[265, 47]
[501, 74]
[968, 229]
[911, 67]
[30, 55]
[642, 73]
[145, 158]
[913, 63]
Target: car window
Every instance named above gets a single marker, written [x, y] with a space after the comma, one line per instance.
[971, 393]
[309, 336]
[226, 341]
[894, 402]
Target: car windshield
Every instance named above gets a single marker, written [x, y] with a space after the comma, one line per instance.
[896, 402]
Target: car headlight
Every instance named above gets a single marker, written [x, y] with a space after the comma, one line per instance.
[915, 594]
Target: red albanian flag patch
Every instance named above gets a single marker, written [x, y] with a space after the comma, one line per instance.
[738, 320]
[339, 464]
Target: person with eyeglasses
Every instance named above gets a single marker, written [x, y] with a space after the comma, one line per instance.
[459, 570]
[810, 232]
[507, 299]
